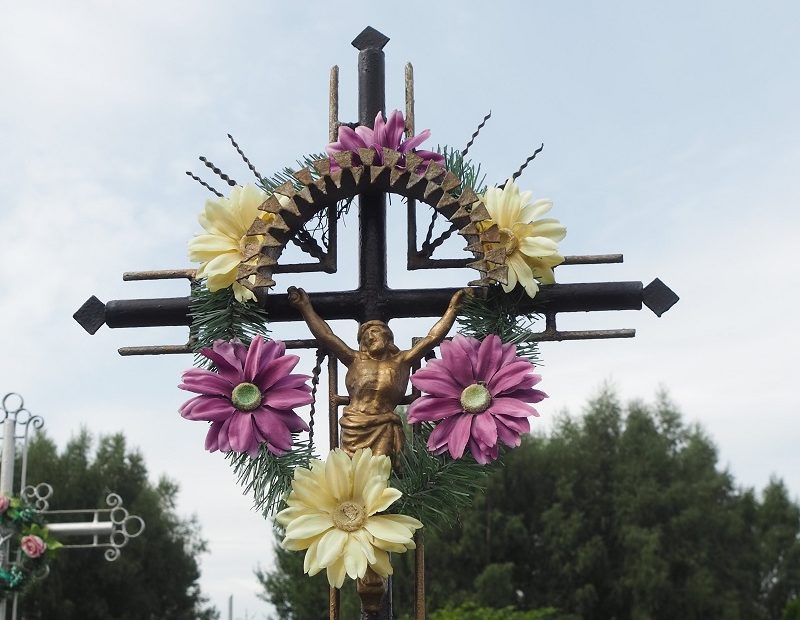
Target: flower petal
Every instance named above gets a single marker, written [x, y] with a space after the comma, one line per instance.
[241, 433]
[460, 435]
[274, 371]
[217, 219]
[339, 475]
[432, 408]
[274, 431]
[440, 435]
[203, 248]
[523, 273]
[536, 210]
[382, 565]
[225, 358]
[484, 429]
[309, 526]
[201, 381]
[436, 383]
[336, 573]
[331, 546]
[207, 409]
[212, 438]
[387, 529]
[287, 398]
[489, 356]
[511, 407]
[251, 362]
[351, 140]
[355, 561]
[537, 246]
[414, 141]
[510, 376]
[458, 361]
[393, 132]
[388, 497]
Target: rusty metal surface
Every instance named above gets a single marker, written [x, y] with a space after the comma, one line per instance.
[159, 274]
[333, 104]
[159, 349]
[420, 608]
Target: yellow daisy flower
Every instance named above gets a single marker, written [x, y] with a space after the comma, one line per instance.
[221, 250]
[531, 244]
[332, 513]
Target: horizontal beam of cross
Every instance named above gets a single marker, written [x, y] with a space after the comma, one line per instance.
[393, 304]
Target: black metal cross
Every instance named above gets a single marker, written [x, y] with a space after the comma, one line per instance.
[373, 299]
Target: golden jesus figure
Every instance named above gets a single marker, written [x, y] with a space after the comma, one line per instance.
[377, 374]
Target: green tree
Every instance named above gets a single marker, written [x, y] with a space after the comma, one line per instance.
[296, 596]
[156, 575]
[621, 513]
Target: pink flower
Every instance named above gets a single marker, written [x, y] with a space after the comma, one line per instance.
[478, 394]
[250, 398]
[4, 503]
[32, 546]
[388, 134]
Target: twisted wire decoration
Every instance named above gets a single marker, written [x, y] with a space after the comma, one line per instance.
[211, 166]
[526, 162]
[244, 158]
[475, 134]
[204, 184]
[314, 384]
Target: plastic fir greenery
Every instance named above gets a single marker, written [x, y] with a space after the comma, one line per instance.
[268, 478]
[436, 488]
[465, 169]
[218, 316]
[497, 313]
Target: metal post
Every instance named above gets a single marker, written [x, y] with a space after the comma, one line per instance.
[371, 205]
[372, 213]
[7, 488]
[9, 454]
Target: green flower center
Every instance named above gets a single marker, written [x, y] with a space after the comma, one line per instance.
[349, 516]
[509, 240]
[476, 398]
[246, 397]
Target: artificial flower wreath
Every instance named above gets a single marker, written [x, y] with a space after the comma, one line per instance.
[347, 513]
[23, 528]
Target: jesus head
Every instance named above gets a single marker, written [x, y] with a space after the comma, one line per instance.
[375, 338]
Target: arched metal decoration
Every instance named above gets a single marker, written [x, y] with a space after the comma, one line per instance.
[293, 205]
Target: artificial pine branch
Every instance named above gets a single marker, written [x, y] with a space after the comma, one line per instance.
[436, 488]
[218, 316]
[498, 314]
[269, 477]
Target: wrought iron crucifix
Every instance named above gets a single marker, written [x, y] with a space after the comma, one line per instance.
[316, 194]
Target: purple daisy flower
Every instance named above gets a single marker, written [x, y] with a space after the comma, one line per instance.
[385, 133]
[478, 395]
[250, 398]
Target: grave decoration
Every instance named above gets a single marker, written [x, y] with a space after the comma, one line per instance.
[398, 462]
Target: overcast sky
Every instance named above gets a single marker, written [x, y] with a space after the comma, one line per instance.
[671, 135]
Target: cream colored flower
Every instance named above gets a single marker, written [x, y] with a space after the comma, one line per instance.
[531, 243]
[333, 510]
[221, 250]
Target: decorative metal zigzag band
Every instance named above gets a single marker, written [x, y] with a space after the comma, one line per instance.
[293, 205]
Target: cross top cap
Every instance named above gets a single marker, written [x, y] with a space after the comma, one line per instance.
[370, 39]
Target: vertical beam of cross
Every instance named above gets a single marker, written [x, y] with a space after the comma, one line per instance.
[372, 213]
[371, 205]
